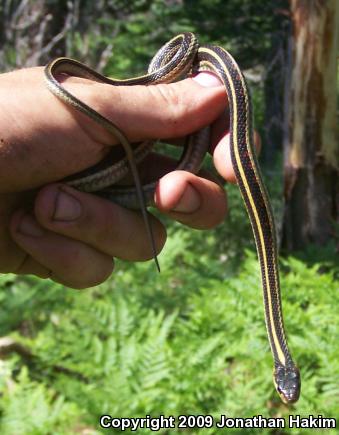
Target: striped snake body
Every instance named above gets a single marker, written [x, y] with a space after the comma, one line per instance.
[173, 61]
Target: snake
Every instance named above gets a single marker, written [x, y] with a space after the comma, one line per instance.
[180, 57]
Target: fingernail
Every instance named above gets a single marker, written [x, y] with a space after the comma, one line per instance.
[207, 79]
[67, 208]
[29, 227]
[189, 202]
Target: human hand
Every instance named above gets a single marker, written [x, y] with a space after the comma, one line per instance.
[71, 236]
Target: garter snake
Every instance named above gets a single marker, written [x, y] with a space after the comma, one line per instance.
[174, 60]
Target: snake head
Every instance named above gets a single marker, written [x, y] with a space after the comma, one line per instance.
[287, 382]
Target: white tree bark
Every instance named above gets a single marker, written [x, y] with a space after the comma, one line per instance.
[311, 147]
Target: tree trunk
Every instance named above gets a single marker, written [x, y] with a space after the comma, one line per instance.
[311, 160]
[32, 32]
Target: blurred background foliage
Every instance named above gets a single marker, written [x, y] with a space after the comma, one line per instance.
[192, 339]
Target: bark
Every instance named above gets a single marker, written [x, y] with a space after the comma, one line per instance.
[311, 160]
[34, 31]
[274, 87]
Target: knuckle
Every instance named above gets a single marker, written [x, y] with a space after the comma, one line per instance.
[173, 104]
[80, 266]
[92, 277]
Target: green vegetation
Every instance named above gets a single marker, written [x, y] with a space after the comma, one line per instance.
[191, 340]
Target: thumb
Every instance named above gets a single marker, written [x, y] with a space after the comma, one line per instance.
[40, 136]
[156, 111]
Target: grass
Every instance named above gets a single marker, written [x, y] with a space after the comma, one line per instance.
[191, 340]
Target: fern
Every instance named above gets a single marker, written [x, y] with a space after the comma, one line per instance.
[122, 350]
[30, 408]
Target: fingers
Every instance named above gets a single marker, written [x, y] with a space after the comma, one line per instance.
[75, 236]
[194, 201]
[67, 261]
[222, 156]
[105, 226]
[64, 260]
